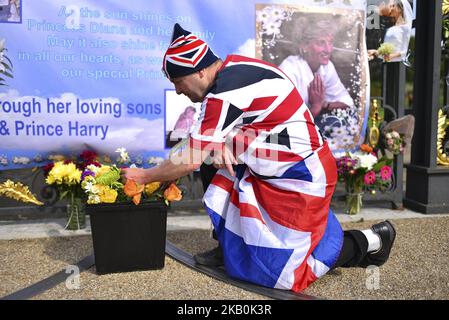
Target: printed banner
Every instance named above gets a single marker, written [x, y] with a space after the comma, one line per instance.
[88, 76]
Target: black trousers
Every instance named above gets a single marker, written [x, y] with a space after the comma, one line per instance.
[355, 244]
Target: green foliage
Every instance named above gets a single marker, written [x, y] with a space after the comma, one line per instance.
[109, 177]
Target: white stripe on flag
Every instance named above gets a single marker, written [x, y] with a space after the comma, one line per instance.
[318, 268]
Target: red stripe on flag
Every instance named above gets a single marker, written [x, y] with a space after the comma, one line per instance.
[205, 145]
[260, 104]
[223, 182]
[313, 132]
[189, 61]
[304, 276]
[185, 48]
[200, 56]
[276, 155]
[283, 112]
[250, 211]
[293, 210]
[211, 116]
[244, 137]
[237, 58]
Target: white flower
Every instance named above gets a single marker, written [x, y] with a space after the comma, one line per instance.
[21, 160]
[395, 135]
[3, 160]
[337, 132]
[364, 160]
[89, 187]
[388, 135]
[272, 28]
[346, 140]
[124, 157]
[353, 130]
[93, 168]
[263, 16]
[95, 189]
[93, 199]
[155, 160]
[275, 13]
[332, 143]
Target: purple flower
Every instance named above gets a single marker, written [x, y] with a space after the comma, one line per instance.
[86, 173]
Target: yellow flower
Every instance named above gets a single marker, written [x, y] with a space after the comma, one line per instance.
[50, 179]
[64, 174]
[150, 188]
[107, 195]
[102, 170]
[445, 6]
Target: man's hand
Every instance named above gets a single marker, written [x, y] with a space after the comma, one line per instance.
[224, 159]
[139, 175]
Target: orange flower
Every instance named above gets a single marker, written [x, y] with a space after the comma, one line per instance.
[133, 190]
[366, 148]
[136, 198]
[172, 193]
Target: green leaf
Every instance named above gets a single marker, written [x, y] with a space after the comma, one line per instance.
[63, 194]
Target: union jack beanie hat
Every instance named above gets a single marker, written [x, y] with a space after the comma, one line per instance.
[186, 54]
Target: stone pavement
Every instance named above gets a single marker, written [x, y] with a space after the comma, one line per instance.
[178, 220]
[33, 250]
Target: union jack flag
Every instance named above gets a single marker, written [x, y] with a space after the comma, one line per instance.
[272, 219]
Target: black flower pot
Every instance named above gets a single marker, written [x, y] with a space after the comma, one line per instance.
[128, 237]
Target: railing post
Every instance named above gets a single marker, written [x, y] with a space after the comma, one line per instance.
[427, 184]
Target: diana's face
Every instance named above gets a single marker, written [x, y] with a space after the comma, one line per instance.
[319, 50]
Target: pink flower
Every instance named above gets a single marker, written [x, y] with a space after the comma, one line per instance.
[385, 173]
[370, 178]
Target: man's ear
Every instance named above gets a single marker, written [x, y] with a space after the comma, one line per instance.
[202, 73]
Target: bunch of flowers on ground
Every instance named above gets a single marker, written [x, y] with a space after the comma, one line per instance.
[363, 171]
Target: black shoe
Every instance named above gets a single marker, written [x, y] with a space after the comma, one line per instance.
[387, 235]
[211, 258]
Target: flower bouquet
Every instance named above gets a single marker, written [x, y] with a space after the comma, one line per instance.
[385, 50]
[86, 180]
[363, 171]
[393, 142]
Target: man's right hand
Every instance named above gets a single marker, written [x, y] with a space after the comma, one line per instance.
[224, 159]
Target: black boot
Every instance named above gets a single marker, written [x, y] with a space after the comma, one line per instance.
[211, 258]
[387, 235]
